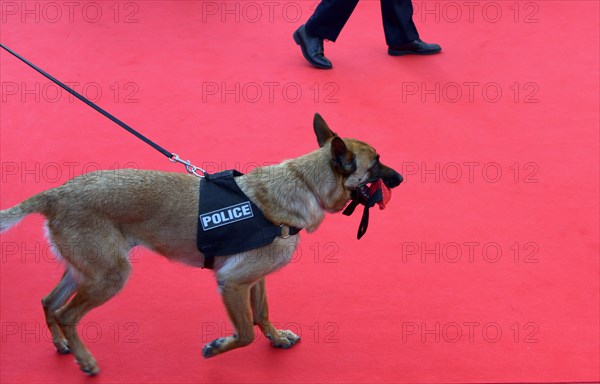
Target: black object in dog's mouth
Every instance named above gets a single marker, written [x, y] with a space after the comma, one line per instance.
[367, 191]
[363, 190]
[368, 194]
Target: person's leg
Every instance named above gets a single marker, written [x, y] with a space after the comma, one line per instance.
[329, 18]
[398, 24]
[400, 31]
[327, 22]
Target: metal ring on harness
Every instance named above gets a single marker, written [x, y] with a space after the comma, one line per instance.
[288, 234]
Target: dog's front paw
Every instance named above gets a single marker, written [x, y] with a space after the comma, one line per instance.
[212, 349]
[89, 366]
[285, 339]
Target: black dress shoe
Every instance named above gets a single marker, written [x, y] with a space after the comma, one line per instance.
[417, 47]
[312, 48]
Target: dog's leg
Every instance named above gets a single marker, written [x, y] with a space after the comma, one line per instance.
[55, 300]
[91, 293]
[260, 310]
[101, 269]
[236, 298]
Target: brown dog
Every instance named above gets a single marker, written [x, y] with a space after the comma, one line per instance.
[95, 219]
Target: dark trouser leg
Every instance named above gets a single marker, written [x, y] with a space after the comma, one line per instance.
[329, 18]
[398, 24]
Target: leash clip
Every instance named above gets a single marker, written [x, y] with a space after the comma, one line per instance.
[191, 168]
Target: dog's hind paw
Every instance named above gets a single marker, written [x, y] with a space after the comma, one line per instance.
[212, 349]
[62, 347]
[286, 339]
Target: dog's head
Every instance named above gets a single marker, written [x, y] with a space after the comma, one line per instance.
[356, 162]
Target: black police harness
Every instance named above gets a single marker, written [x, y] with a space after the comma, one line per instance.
[229, 222]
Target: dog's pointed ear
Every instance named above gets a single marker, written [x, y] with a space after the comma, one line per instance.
[342, 157]
[324, 134]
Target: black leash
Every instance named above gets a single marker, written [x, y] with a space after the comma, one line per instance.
[171, 156]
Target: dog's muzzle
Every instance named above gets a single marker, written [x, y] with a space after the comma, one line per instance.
[392, 179]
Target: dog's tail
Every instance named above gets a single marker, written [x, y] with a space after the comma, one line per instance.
[10, 217]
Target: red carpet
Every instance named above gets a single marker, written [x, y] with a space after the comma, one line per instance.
[483, 268]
